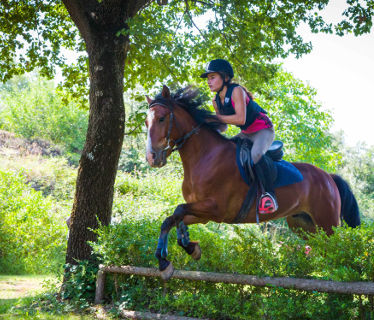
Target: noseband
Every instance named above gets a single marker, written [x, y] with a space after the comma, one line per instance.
[179, 142]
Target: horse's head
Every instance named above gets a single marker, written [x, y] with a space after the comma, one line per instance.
[173, 120]
[159, 124]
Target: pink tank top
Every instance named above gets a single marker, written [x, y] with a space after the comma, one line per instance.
[262, 121]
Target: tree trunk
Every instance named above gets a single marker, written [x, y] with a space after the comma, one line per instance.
[99, 22]
[99, 161]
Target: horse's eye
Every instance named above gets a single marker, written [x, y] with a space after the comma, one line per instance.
[162, 119]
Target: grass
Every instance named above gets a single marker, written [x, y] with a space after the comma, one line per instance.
[22, 290]
[46, 316]
[14, 288]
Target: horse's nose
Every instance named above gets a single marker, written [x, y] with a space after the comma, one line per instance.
[152, 158]
[155, 158]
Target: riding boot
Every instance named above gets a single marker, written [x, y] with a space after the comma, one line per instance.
[267, 202]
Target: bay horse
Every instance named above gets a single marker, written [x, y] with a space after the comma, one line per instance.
[213, 187]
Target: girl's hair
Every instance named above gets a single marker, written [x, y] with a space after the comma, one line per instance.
[249, 93]
[246, 90]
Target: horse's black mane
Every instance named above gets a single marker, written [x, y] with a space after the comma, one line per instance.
[191, 100]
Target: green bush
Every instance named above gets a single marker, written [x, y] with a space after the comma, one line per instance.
[147, 194]
[345, 256]
[79, 285]
[32, 232]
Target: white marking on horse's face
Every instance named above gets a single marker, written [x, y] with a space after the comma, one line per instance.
[157, 136]
[150, 118]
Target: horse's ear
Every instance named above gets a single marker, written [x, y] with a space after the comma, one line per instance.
[149, 100]
[165, 92]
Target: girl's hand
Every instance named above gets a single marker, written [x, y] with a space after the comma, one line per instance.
[220, 117]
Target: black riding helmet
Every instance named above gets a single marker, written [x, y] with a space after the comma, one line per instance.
[221, 66]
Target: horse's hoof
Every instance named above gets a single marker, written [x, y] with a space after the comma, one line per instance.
[167, 273]
[196, 254]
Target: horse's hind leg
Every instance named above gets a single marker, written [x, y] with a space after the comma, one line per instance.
[326, 213]
[325, 219]
[301, 222]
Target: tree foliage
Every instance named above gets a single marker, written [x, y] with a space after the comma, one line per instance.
[357, 18]
[301, 122]
[173, 41]
[358, 166]
[33, 33]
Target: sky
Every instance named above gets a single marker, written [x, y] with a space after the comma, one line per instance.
[341, 69]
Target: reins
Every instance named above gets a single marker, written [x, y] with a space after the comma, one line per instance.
[178, 144]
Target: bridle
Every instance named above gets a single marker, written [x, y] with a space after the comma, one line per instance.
[178, 144]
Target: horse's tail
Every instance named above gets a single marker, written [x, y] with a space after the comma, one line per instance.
[349, 207]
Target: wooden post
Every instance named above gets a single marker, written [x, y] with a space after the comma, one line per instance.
[100, 284]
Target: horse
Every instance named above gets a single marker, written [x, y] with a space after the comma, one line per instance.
[213, 187]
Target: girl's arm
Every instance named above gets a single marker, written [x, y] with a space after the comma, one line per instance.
[239, 97]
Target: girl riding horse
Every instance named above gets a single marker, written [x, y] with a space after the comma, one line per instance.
[235, 105]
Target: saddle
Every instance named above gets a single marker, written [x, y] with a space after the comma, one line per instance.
[244, 147]
[282, 172]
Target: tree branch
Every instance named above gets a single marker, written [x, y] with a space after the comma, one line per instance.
[133, 130]
[190, 16]
[76, 13]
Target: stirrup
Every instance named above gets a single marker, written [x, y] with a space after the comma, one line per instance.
[267, 204]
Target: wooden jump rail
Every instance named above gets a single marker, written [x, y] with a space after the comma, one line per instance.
[360, 288]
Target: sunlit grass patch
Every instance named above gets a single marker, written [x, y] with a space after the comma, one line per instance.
[14, 287]
[29, 297]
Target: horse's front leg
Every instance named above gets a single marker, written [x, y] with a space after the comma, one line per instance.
[165, 266]
[191, 247]
[202, 210]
